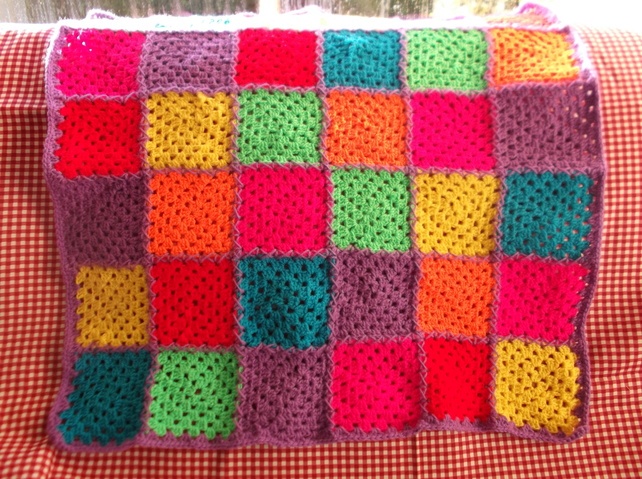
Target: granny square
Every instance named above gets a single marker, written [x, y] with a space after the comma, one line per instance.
[456, 214]
[458, 376]
[447, 59]
[539, 299]
[102, 220]
[284, 394]
[362, 59]
[194, 393]
[373, 295]
[452, 131]
[108, 314]
[558, 199]
[366, 129]
[188, 61]
[193, 303]
[371, 210]
[99, 62]
[375, 385]
[276, 58]
[293, 233]
[455, 296]
[278, 127]
[189, 130]
[537, 386]
[99, 138]
[283, 209]
[191, 214]
[107, 399]
[547, 127]
[285, 301]
[523, 56]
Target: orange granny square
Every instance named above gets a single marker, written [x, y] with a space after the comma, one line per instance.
[366, 129]
[191, 213]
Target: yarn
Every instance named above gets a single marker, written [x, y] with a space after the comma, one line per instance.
[375, 386]
[277, 127]
[456, 213]
[95, 62]
[193, 303]
[366, 129]
[114, 307]
[531, 56]
[189, 130]
[547, 214]
[188, 61]
[204, 384]
[98, 137]
[276, 58]
[447, 59]
[283, 209]
[107, 400]
[191, 213]
[285, 301]
[537, 385]
[371, 210]
[458, 376]
[455, 296]
[452, 131]
[361, 59]
[298, 237]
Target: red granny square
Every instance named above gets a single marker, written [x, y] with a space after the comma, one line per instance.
[193, 303]
[458, 378]
[283, 209]
[277, 57]
[99, 138]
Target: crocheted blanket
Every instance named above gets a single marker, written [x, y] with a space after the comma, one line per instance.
[304, 234]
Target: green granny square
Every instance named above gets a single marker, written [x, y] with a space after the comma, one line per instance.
[279, 127]
[447, 59]
[371, 210]
[194, 393]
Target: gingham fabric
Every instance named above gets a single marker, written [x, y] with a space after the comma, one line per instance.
[31, 311]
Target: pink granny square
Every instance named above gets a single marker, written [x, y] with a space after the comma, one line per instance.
[283, 209]
[539, 299]
[376, 386]
[99, 62]
[452, 131]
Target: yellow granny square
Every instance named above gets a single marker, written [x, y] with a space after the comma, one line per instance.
[187, 130]
[114, 306]
[455, 214]
[537, 385]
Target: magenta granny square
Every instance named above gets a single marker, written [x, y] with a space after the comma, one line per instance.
[99, 62]
[452, 130]
[539, 299]
[283, 209]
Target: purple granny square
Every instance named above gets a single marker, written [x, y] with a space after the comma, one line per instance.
[373, 295]
[187, 61]
[102, 219]
[547, 127]
[283, 395]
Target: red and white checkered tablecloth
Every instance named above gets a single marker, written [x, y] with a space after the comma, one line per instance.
[31, 321]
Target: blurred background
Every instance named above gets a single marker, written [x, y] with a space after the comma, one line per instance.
[614, 13]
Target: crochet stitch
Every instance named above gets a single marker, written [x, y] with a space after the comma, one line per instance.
[297, 236]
